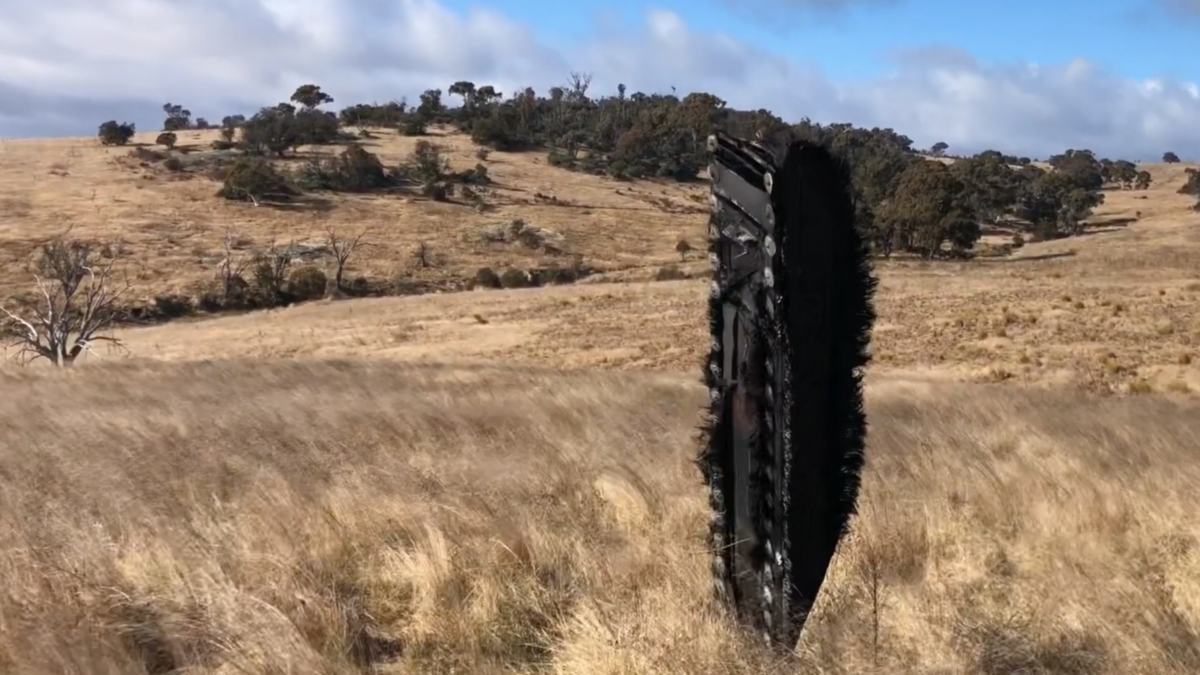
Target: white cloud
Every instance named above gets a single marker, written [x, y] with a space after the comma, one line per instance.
[781, 15]
[67, 65]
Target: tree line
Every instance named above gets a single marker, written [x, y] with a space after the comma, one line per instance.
[905, 202]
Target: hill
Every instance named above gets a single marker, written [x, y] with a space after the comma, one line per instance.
[174, 227]
[500, 481]
[565, 183]
[1118, 307]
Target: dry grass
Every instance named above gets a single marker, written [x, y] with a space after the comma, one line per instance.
[1122, 312]
[1010, 322]
[294, 492]
[329, 517]
[173, 229]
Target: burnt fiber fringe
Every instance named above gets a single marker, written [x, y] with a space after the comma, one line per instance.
[806, 335]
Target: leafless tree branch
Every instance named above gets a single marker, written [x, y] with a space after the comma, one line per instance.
[233, 267]
[80, 299]
[342, 249]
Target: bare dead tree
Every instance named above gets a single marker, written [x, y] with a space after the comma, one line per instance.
[271, 266]
[342, 249]
[578, 84]
[79, 300]
[232, 270]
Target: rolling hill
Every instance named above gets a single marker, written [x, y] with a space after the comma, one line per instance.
[501, 481]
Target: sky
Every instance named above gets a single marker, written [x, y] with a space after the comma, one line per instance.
[1120, 77]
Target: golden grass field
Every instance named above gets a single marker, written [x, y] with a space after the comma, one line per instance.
[174, 229]
[501, 482]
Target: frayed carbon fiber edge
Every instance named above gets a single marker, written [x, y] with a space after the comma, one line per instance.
[741, 223]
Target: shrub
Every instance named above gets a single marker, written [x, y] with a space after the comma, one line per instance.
[253, 179]
[486, 277]
[427, 167]
[413, 126]
[559, 158]
[500, 134]
[167, 139]
[353, 170]
[554, 275]
[173, 306]
[112, 133]
[232, 293]
[476, 176]
[1192, 185]
[514, 277]
[211, 301]
[307, 283]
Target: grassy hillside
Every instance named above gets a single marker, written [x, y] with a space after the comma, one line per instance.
[501, 481]
[173, 226]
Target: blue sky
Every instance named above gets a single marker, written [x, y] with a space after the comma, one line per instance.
[1135, 38]
[1121, 77]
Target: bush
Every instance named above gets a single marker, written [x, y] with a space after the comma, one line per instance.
[438, 192]
[173, 306]
[622, 170]
[253, 179]
[217, 298]
[476, 176]
[167, 139]
[500, 134]
[173, 164]
[514, 277]
[112, 133]
[486, 277]
[353, 170]
[554, 275]
[559, 158]
[427, 167]
[280, 128]
[307, 283]
[318, 127]
[414, 126]
[211, 301]
[1192, 185]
